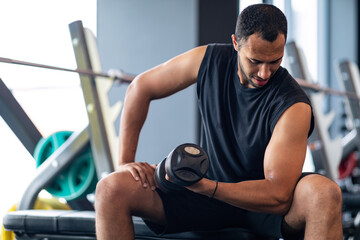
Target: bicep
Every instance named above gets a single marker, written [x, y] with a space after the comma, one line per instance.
[285, 153]
[173, 75]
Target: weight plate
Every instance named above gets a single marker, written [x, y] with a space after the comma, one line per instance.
[75, 181]
[161, 182]
[186, 164]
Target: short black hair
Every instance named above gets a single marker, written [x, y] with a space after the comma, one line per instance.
[264, 19]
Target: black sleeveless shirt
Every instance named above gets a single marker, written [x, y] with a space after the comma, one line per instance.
[237, 122]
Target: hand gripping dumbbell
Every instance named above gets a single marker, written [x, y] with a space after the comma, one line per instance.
[184, 166]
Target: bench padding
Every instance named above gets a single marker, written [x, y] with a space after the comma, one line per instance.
[63, 224]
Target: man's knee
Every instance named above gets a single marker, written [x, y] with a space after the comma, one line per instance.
[116, 187]
[316, 199]
[119, 193]
[322, 192]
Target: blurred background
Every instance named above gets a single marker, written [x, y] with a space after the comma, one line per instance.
[135, 35]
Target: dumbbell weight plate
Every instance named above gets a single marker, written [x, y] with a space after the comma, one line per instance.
[161, 182]
[186, 164]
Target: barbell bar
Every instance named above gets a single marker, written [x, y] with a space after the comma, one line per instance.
[121, 77]
[118, 76]
[317, 88]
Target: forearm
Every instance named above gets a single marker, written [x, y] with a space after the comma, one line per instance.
[257, 195]
[133, 116]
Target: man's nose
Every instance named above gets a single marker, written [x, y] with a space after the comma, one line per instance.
[264, 72]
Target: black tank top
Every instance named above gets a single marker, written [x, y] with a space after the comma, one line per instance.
[237, 122]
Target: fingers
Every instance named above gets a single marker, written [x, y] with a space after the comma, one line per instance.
[142, 172]
[145, 173]
[133, 172]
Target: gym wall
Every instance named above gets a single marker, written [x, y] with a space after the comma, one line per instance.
[135, 35]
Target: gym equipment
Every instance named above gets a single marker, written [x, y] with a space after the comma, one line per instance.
[163, 184]
[17, 119]
[62, 224]
[326, 152]
[329, 155]
[77, 180]
[41, 203]
[100, 134]
[348, 74]
[117, 76]
[185, 165]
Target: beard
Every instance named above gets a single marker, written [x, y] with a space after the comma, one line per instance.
[248, 79]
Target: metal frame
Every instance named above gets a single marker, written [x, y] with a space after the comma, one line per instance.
[97, 131]
[349, 142]
[18, 121]
[295, 65]
[347, 82]
[95, 134]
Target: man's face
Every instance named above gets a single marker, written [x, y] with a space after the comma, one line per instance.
[258, 59]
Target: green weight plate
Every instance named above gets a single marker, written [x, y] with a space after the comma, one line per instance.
[46, 146]
[77, 180]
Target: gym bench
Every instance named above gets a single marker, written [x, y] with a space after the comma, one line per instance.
[65, 224]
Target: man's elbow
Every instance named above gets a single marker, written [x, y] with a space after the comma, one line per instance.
[138, 88]
[282, 203]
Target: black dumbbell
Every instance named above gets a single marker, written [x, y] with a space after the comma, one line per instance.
[185, 165]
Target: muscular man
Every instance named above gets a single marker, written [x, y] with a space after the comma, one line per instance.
[255, 120]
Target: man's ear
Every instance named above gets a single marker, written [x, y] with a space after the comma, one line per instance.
[234, 42]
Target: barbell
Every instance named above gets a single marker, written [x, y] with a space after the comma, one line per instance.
[117, 76]
[317, 88]
[121, 77]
